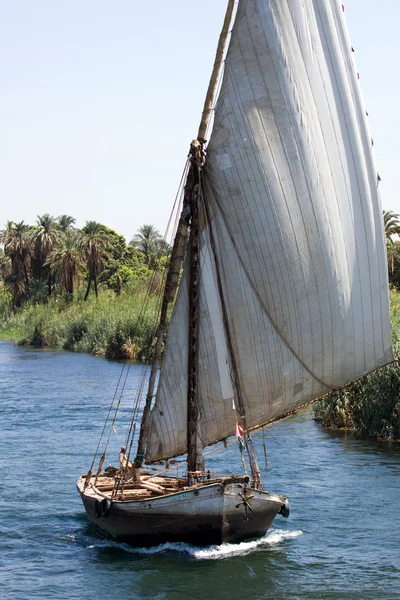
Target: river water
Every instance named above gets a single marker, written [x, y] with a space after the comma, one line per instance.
[340, 541]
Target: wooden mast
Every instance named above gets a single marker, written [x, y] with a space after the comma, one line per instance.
[194, 460]
[194, 194]
[193, 191]
[212, 86]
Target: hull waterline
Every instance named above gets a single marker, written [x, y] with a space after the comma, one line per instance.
[210, 514]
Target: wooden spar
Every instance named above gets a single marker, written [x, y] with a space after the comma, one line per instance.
[212, 86]
[193, 191]
[175, 263]
[194, 459]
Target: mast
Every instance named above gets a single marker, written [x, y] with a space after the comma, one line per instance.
[194, 462]
[193, 190]
[212, 86]
[194, 197]
[189, 213]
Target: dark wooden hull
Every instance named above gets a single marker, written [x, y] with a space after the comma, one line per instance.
[210, 514]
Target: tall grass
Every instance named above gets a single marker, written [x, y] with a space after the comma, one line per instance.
[372, 405]
[117, 327]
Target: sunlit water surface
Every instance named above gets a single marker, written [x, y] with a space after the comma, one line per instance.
[341, 540]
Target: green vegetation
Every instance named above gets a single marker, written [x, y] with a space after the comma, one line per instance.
[370, 406]
[47, 272]
[114, 326]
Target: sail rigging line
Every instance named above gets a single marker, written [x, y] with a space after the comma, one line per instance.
[171, 284]
[310, 402]
[291, 413]
[264, 448]
[132, 428]
[89, 474]
[119, 484]
[144, 376]
[138, 322]
[248, 442]
[112, 428]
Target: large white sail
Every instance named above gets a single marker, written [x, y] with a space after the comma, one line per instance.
[292, 189]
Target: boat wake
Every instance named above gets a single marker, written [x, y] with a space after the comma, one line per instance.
[272, 538]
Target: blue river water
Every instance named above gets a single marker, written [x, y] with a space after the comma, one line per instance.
[341, 540]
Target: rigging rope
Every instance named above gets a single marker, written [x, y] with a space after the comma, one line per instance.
[139, 321]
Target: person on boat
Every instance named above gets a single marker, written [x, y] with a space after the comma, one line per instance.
[127, 468]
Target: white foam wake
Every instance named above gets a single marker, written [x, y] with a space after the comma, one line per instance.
[271, 538]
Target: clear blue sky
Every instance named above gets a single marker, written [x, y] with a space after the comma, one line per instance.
[99, 102]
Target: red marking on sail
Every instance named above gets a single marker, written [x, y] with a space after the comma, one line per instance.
[343, 7]
[239, 431]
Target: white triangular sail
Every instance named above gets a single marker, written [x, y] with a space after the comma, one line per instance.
[291, 186]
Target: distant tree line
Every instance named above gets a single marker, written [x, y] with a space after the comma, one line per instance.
[392, 229]
[53, 256]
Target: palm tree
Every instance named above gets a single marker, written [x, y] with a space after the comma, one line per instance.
[150, 243]
[44, 238]
[5, 265]
[66, 260]
[10, 281]
[65, 222]
[7, 237]
[18, 247]
[392, 227]
[391, 224]
[94, 246]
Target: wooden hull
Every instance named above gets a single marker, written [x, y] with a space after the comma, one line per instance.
[210, 514]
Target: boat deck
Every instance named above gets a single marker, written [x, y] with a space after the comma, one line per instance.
[149, 486]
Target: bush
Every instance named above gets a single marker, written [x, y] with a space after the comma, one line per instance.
[118, 327]
[370, 406]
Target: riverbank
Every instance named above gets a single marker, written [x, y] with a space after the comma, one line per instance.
[122, 327]
[371, 406]
[113, 326]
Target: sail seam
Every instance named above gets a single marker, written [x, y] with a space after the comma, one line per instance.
[263, 307]
[292, 175]
[368, 154]
[327, 158]
[356, 172]
[275, 326]
[265, 185]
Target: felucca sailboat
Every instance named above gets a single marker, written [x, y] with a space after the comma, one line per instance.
[284, 291]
